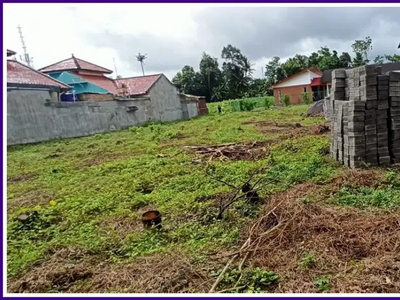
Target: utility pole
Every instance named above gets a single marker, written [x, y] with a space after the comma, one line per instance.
[27, 58]
[262, 73]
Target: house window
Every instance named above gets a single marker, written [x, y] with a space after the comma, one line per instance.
[304, 89]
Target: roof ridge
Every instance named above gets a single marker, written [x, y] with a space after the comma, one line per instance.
[76, 62]
[139, 76]
[54, 64]
[36, 71]
[92, 64]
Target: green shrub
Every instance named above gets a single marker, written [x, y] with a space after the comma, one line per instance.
[306, 97]
[286, 100]
[323, 283]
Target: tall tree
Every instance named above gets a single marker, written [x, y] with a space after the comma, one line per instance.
[363, 47]
[237, 70]
[274, 71]
[358, 60]
[210, 75]
[188, 81]
[345, 60]
[140, 58]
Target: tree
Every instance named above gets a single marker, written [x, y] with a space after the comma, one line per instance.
[210, 75]
[363, 47]
[313, 60]
[188, 81]
[392, 58]
[345, 60]
[379, 59]
[140, 58]
[236, 70]
[358, 60]
[274, 71]
[259, 88]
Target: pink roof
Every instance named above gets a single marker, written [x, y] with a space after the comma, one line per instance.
[18, 73]
[101, 81]
[73, 63]
[136, 86]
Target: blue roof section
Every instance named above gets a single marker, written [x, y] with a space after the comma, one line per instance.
[79, 85]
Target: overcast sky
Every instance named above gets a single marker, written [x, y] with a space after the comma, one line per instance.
[176, 35]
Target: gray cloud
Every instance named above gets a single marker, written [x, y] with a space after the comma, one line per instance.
[164, 54]
[270, 32]
[258, 32]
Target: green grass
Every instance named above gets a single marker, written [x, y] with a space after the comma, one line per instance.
[79, 186]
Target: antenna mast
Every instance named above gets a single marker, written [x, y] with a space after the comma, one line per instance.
[27, 58]
[115, 67]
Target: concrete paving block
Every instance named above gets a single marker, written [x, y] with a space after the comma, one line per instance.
[339, 74]
[394, 76]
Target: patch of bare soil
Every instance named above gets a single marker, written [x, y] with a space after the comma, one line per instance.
[98, 160]
[245, 151]
[289, 130]
[359, 249]
[29, 200]
[21, 178]
[125, 225]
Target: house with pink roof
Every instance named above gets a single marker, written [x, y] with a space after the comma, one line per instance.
[165, 100]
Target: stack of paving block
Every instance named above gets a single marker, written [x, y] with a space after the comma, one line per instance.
[365, 116]
[338, 85]
[394, 113]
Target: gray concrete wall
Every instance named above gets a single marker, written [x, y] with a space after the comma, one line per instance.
[193, 111]
[30, 118]
[165, 100]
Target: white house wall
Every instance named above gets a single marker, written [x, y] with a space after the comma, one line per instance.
[302, 79]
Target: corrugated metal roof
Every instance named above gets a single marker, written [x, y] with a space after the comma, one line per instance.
[136, 86]
[74, 64]
[18, 73]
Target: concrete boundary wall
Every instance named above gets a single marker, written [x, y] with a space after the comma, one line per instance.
[33, 117]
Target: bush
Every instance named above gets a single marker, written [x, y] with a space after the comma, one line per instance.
[248, 104]
[286, 100]
[306, 97]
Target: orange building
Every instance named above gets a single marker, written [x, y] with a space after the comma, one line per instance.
[308, 80]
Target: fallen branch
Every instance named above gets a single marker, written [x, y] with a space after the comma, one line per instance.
[233, 289]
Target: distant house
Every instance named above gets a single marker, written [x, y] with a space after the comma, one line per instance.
[22, 78]
[307, 80]
[163, 95]
[87, 79]
[165, 101]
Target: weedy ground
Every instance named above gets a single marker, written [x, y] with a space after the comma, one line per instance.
[339, 233]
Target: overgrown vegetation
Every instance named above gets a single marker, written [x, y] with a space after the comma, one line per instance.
[248, 104]
[233, 78]
[81, 202]
[286, 100]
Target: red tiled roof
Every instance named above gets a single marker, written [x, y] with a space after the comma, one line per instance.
[136, 86]
[18, 73]
[316, 81]
[101, 81]
[74, 63]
